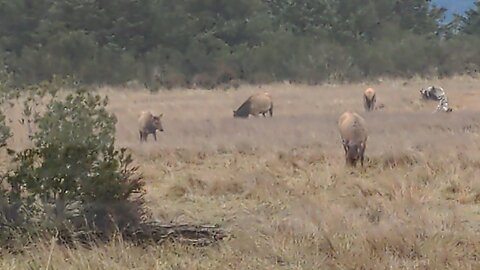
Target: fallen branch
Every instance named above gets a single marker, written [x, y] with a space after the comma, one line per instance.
[201, 235]
[154, 232]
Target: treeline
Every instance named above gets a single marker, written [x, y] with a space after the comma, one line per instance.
[209, 42]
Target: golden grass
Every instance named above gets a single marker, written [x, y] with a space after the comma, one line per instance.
[281, 187]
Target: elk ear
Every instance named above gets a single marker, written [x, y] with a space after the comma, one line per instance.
[161, 115]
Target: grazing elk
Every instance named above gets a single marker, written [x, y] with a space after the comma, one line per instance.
[369, 99]
[256, 104]
[353, 132]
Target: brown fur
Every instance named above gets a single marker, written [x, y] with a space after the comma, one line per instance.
[353, 132]
[256, 104]
[369, 99]
[149, 124]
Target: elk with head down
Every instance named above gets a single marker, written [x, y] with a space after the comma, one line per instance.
[256, 104]
[369, 99]
[353, 132]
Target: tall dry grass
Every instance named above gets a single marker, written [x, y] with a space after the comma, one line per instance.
[281, 188]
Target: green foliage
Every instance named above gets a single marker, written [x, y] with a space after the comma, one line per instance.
[207, 43]
[471, 22]
[72, 178]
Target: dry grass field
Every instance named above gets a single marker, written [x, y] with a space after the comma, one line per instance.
[280, 186]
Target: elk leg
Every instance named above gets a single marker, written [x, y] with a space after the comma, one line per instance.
[345, 146]
[362, 155]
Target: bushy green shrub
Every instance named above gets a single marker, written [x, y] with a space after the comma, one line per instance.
[72, 177]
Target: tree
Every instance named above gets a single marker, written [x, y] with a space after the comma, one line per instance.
[418, 16]
[471, 22]
[164, 44]
[72, 178]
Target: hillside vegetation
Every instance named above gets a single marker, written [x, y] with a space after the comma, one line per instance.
[206, 43]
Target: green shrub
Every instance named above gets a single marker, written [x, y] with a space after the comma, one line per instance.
[72, 178]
